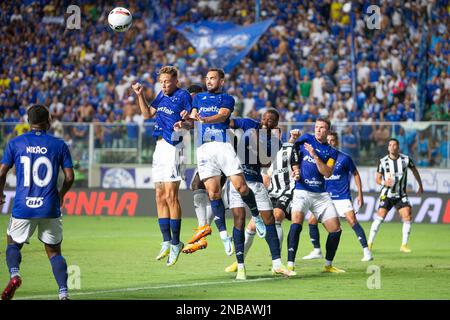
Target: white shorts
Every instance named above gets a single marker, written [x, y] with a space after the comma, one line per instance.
[168, 162]
[214, 157]
[319, 204]
[49, 230]
[261, 196]
[343, 206]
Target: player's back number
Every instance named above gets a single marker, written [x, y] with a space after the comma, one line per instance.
[34, 168]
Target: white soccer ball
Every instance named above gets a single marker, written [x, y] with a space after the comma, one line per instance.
[120, 19]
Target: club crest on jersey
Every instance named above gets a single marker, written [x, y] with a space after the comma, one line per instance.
[37, 149]
[34, 202]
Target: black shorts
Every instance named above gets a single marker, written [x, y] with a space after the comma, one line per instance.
[389, 203]
[283, 202]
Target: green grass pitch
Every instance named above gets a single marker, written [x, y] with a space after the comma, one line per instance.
[116, 260]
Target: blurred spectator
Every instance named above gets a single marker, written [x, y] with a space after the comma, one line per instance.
[350, 143]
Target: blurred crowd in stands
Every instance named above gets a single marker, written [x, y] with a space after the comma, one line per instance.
[301, 66]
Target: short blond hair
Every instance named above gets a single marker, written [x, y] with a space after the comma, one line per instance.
[173, 71]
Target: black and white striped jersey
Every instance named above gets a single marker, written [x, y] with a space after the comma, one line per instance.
[280, 172]
[396, 170]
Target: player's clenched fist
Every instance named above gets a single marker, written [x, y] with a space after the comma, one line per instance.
[296, 173]
[137, 88]
[295, 134]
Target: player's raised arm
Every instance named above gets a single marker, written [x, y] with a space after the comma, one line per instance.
[295, 163]
[295, 134]
[147, 111]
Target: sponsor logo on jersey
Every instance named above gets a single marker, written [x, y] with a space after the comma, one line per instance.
[334, 177]
[166, 110]
[313, 182]
[209, 109]
[309, 159]
[34, 202]
[37, 149]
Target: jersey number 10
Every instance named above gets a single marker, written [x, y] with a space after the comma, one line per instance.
[26, 161]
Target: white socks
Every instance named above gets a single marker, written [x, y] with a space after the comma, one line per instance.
[374, 228]
[406, 230]
[249, 236]
[279, 233]
[276, 263]
[223, 234]
[201, 201]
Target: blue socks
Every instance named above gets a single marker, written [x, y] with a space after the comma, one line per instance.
[59, 267]
[219, 214]
[293, 238]
[164, 226]
[273, 241]
[360, 234]
[314, 235]
[332, 244]
[175, 226]
[239, 240]
[250, 201]
[13, 258]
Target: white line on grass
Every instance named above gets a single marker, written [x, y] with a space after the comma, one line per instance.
[87, 293]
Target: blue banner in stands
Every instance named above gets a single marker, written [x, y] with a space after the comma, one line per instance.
[223, 44]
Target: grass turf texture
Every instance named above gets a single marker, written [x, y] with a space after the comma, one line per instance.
[116, 258]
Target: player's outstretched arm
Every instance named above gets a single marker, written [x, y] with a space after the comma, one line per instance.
[3, 172]
[69, 177]
[147, 111]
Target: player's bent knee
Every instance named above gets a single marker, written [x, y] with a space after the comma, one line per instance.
[351, 219]
[268, 217]
[278, 215]
[332, 225]
[297, 217]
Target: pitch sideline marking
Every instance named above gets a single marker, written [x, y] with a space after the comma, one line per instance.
[148, 288]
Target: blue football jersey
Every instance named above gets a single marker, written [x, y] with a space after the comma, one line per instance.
[250, 146]
[37, 157]
[168, 109]
[310, 177]
[338, 185]
[208, 104]
[247, 148]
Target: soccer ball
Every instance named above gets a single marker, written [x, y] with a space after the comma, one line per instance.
[120, 19]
